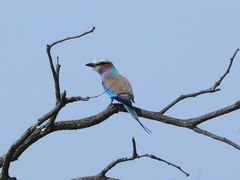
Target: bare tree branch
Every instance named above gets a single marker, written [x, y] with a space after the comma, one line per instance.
[71, 37]
[212, 89]
[115, 108]
[134, 156]
[206, 117]
[227, 71]
[9, 156]
[156, 116]
[55, 72]
[96, 177]
[216, 137]
[151, 156]
[12, 150]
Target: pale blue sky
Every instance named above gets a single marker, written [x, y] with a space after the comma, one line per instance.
[165, 48]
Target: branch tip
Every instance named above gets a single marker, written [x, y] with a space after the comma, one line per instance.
[134, 155]
[58, 62]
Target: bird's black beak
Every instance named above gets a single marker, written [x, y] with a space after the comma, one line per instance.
[90, 64]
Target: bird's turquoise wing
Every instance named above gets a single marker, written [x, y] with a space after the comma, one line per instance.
[109, 92]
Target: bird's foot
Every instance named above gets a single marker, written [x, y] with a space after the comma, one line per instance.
[111, 103]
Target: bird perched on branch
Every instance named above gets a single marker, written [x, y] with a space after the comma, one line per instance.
[116, 86]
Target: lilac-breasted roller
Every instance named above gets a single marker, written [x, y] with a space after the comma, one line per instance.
[116, 86]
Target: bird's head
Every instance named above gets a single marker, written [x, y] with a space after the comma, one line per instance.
[102, 66]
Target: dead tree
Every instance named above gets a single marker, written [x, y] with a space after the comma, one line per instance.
[47, 123]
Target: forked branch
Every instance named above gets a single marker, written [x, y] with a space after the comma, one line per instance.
[61, 101]
[212, 89]
[102, 174]
[55, 72]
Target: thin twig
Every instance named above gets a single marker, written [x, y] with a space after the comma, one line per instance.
[96, 96]
[216, 137]
[185, 96]
[54, 74]
[79, 98]
[227, 71]
[212, 89]
[71, 37]
[162, 160]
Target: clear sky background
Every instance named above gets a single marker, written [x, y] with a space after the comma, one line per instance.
[165, 48]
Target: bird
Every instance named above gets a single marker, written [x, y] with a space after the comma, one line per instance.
[116, 86]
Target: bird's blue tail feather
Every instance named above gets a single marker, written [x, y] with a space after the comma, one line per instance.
[135, 116]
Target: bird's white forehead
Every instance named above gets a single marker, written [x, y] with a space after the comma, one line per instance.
[97, 61]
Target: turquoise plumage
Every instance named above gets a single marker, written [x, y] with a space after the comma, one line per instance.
[117, 87]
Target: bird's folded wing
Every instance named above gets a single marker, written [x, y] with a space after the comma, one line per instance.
[118, 86]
